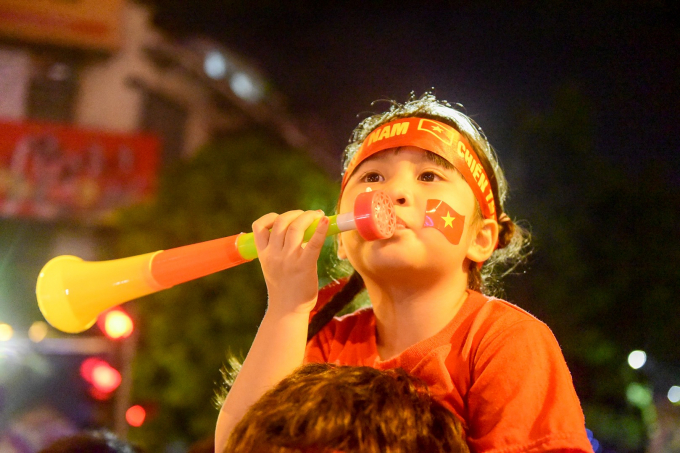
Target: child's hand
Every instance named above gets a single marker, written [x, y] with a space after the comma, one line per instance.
[289, 269]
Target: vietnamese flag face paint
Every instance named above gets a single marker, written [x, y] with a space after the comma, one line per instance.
[444, 218]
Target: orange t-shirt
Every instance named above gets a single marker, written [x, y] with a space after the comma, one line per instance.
[499, 369]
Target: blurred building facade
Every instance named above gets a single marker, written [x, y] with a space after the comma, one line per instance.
[101, 66]
[121, 81]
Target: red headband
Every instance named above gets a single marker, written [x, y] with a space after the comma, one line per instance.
[436, 137]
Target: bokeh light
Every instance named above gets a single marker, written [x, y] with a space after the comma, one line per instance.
[135, 415]
[637, 359]
[100, 374]
[117, 324]
[6, 332]
[638, 395]
[593, 441]
[674, 394]
[245, 87]
[105, 378]
[38, 331]
[215, 64]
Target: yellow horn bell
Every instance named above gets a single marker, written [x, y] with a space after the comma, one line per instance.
[72, 293]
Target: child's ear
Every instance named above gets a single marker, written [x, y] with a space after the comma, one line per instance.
[484, 242]
[341, 249]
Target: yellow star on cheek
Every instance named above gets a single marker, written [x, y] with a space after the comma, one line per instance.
[448, 220]
[437, 128]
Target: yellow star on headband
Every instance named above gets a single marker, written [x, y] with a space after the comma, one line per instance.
[437, 128]
[448, 220]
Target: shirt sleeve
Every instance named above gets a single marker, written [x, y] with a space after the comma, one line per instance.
[522, 398]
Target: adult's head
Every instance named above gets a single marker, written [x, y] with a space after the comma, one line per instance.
[91, 442]
[327, 408]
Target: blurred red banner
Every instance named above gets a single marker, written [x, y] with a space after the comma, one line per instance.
[54, 171]
[88, 24]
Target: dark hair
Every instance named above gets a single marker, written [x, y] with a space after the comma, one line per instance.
[91, 442]
[512, 238]
[206, 445]
[326, 408]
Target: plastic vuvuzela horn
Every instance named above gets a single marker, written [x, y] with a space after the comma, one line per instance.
[72, 293]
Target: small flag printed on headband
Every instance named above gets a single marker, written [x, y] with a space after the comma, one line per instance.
[446, 135]
[444, 218]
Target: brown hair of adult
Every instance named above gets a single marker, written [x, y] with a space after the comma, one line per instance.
[325, 408]
[91, 442]
[512, 238]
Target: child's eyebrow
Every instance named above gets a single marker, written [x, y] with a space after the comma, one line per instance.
[432, 157]
[440, 161]
[377, 156]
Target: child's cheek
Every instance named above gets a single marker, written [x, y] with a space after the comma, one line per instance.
[344, 205]
[348, 243]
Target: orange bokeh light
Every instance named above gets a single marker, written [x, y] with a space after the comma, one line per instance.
[103, 377]
[135, 415]
[117, 324]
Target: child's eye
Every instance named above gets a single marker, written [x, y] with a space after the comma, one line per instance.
[428, 176]
[372, 177]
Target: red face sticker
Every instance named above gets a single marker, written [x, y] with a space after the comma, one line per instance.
[441, 216]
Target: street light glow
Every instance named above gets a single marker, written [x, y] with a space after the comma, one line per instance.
[105, 378]
[215, 65]
[135, 415]
[245, 87]
[38, 331]
[117, 324]
[637, 359]
[6, 332]
[674, 394]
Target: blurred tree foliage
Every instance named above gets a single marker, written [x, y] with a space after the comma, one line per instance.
[604, 270]
[24, 248]
[187, 332]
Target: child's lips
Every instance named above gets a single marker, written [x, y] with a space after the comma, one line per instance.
[401, 224]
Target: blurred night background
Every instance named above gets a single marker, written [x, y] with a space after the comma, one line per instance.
[131, 126]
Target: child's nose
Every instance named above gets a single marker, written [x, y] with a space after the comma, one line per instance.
[400, 195]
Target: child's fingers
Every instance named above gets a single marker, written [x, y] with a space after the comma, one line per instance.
[313, 248]
[280, 227]
[297, 228]
[261, 230]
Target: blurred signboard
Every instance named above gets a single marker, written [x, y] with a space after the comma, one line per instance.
[58, 171]
[89, 24]
[15, 76]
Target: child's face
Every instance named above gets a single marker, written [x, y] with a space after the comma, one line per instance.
[410, 178]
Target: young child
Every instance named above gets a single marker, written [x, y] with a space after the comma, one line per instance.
[497, 368]
[323, 408]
